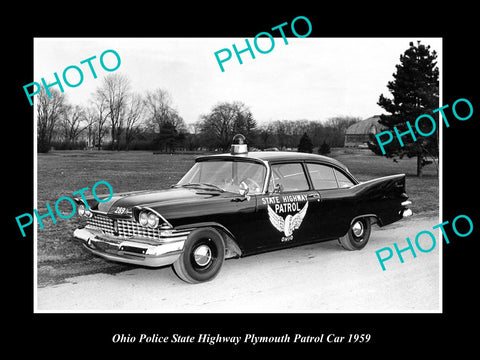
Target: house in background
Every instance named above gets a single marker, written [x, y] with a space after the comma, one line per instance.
[358, 134]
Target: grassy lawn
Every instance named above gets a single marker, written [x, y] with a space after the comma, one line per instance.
[62, 172]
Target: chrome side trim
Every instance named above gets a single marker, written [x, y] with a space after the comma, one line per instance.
[370, 215]
[267, 177]
[375, 179]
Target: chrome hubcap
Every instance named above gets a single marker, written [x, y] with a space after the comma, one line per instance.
[357, 229]
[202, 255]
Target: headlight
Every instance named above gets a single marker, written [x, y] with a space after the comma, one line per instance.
[81, 210]
[143, 218]
[148, 218]
[153, 220]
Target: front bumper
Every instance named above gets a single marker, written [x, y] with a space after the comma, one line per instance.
[132, 251]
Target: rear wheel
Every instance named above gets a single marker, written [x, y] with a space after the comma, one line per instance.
[202, 257]
[358, 234]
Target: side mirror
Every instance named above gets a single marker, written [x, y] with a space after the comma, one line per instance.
[243, 188]
[278, 188]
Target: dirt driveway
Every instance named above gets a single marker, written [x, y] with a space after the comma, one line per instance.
[313, 278]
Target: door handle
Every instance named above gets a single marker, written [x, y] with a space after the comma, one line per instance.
[313, 196]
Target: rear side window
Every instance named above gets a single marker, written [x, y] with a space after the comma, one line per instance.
[322, 176]
[343, 181]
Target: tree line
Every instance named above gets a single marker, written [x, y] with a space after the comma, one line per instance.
[117, 118]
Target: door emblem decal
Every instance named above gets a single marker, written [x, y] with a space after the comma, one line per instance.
[289, 224]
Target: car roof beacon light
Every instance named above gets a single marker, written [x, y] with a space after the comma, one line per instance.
[239, 145]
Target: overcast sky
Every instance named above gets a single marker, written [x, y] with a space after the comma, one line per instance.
[310, 78]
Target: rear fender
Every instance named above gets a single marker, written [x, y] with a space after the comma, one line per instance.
[382, 197]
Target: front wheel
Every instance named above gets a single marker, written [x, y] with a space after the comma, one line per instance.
[358, 234]
[202, 257]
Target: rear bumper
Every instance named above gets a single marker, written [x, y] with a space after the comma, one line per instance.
[407, 213]
[132, 251]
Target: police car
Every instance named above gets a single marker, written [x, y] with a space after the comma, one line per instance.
[238, 204]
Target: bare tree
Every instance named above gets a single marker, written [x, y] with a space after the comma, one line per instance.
[158, 108]
[49, 110]
[163, 119]
[133, 117]
[101, 113]
[177, 121]
[224, 121]
[266, 136]
[114, 91]
[337, 126]
[90, 121]
[72, 122]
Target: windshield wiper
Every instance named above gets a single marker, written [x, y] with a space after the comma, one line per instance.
[216, 187]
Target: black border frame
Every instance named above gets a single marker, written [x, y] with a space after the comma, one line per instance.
[85, 334]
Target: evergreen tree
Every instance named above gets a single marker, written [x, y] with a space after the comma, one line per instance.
[305, 144]
[166, 137]
[324, 148]
[415, 92]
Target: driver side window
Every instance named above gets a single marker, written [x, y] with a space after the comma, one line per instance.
[253, 176]
[288, 177]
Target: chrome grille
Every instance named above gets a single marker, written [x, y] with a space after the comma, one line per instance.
[127, 228]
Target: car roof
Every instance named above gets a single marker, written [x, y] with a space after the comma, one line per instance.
[277, 156]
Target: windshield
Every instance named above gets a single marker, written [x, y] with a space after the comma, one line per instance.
[226, 175]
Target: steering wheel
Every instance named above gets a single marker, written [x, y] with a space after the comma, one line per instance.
[252, 184]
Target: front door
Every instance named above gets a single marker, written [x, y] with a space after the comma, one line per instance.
[287, 211]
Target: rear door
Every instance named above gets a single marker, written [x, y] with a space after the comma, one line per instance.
[337, 205]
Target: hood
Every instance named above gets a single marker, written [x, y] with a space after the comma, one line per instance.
[122, 203]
